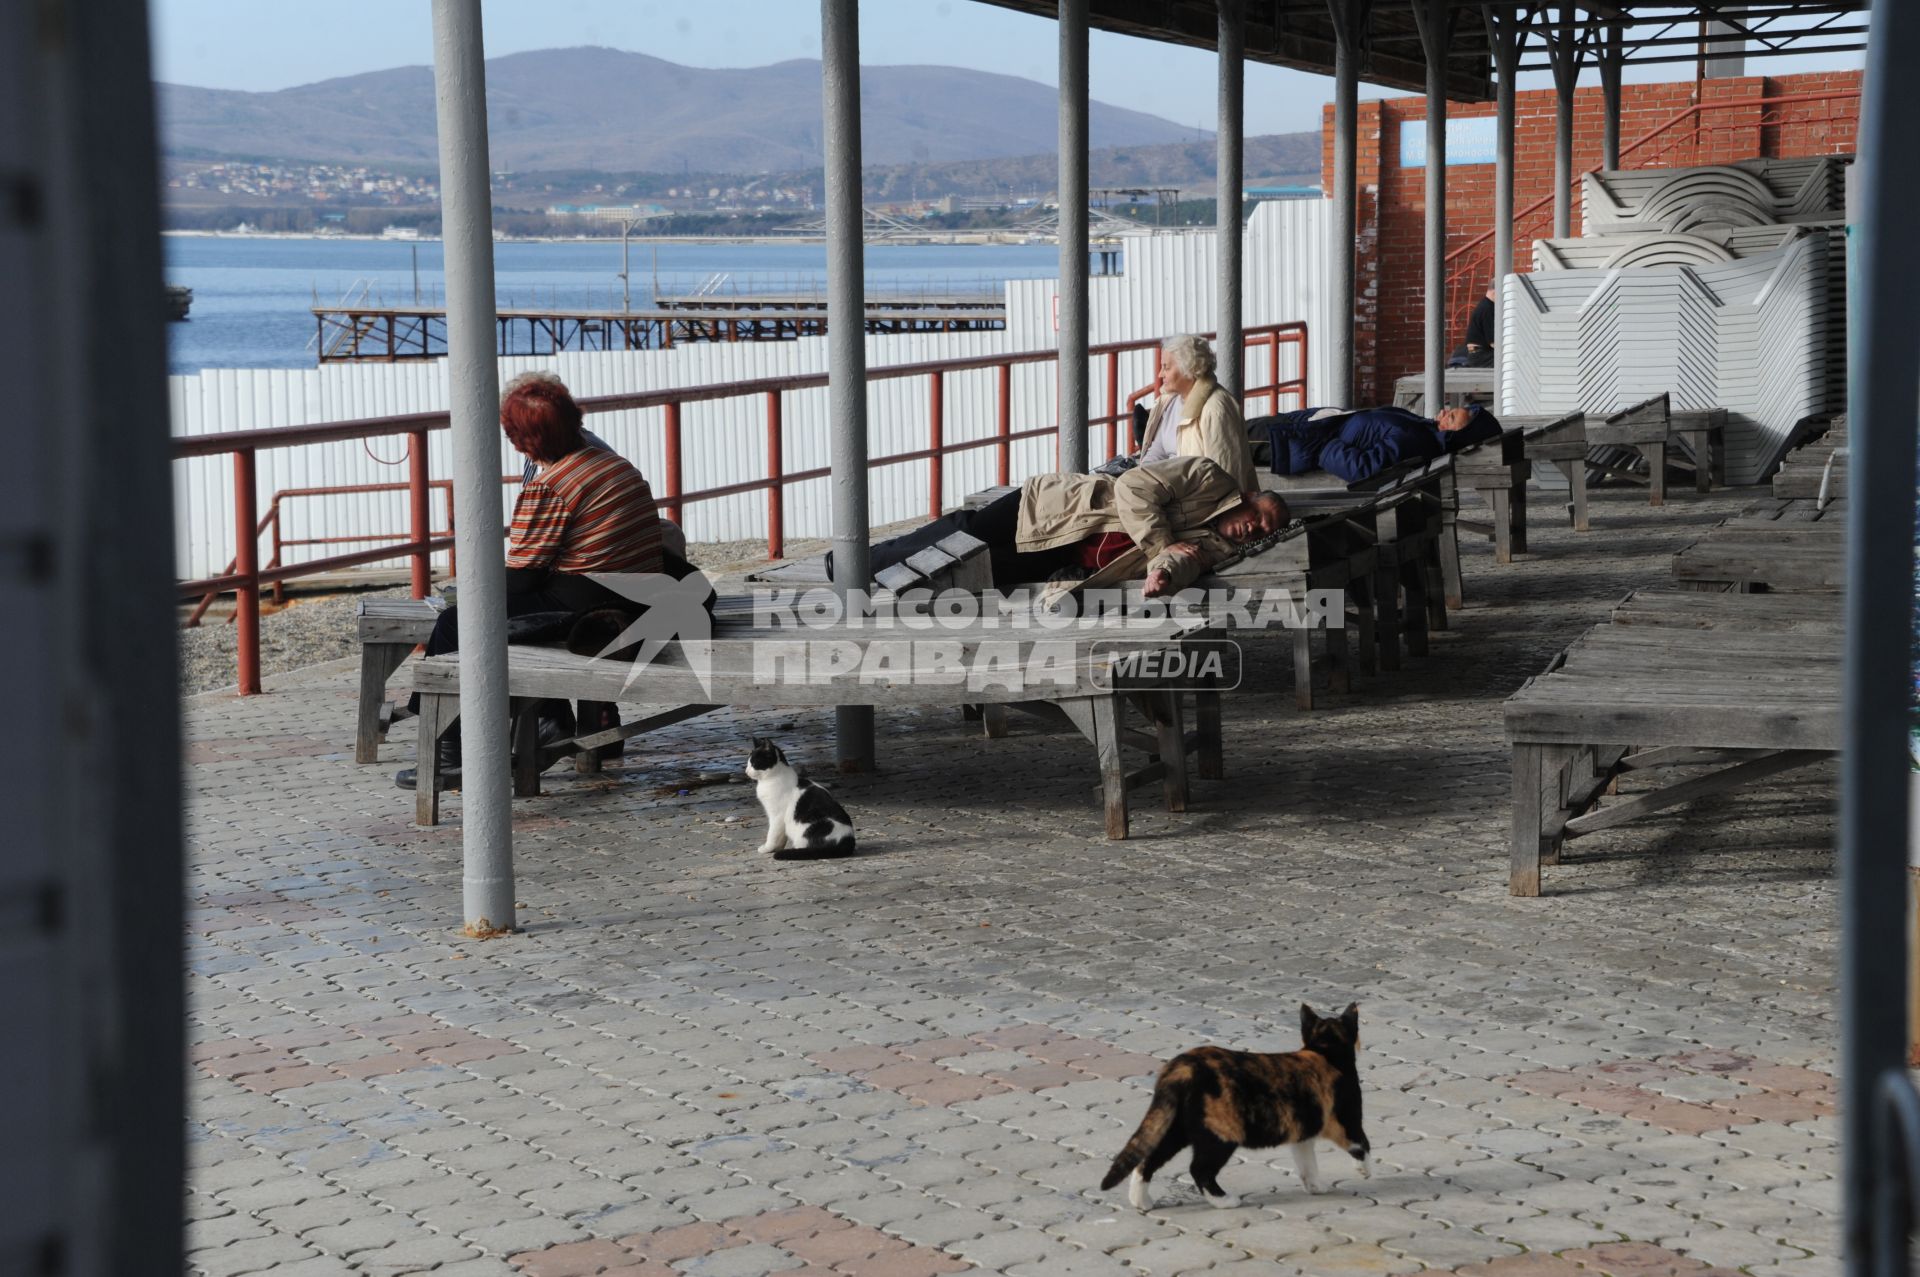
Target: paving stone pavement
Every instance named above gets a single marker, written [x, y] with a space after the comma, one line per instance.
[696, 1060]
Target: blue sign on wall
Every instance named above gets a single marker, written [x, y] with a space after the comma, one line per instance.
[1468, 142]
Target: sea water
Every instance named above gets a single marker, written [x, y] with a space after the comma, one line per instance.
[252, 296]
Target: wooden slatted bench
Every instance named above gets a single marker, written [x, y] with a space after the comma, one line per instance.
[1795, 544]
[1818, 465]
[1750, 683]
[1650, 427]
[1560, 442]
[745, 670]
[389, 630]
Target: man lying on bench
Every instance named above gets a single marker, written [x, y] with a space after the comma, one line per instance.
[1358, 443]
[1166, 522]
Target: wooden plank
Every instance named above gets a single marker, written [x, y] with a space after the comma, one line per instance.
[378, 661]
[1113, 775]
[1173, 748]
[1527, 841]
[1698, 787]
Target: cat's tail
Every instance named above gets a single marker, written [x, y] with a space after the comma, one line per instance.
[1153, 1128]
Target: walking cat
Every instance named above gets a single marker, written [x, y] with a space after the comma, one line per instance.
[1218, 1100]
[804, 821]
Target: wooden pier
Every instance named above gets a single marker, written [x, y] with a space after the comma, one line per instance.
[361, 333]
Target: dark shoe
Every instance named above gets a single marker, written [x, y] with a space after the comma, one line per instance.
[602, 716]
[447, 757]
[555, 739]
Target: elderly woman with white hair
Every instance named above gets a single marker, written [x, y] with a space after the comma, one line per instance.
[1195, 416]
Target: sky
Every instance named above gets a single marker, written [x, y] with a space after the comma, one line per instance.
[274, 44]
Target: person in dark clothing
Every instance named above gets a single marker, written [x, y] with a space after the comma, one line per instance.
[1477, 350]
[1358, 444]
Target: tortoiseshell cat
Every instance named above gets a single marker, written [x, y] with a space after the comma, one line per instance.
[1216, 1101]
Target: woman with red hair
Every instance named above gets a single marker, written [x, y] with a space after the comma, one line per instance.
[584, 510]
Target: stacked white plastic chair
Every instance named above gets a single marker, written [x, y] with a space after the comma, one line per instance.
[1723, 286]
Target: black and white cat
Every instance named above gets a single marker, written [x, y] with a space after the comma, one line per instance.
[804, 821]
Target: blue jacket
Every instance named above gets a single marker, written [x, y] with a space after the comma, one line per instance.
[1358, 445]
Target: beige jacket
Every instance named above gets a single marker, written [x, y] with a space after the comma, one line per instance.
[1156, 505]
[1211, 426]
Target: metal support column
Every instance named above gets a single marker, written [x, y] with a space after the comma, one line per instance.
[1563, 51]
[486, 810]
[1073, 393]
[1612, 59]
[1348, 17]
[1877, 674]
[1504, 30]
[846, 340]
[1432, 17]
[1229, 343]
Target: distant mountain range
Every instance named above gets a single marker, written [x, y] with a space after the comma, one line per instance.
[613, 111]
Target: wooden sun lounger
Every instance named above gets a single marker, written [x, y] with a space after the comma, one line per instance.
[1747, 682]
[1775, 545]
[1650, 428]
[672, 691]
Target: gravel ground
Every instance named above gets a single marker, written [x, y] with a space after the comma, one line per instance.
[312, 630]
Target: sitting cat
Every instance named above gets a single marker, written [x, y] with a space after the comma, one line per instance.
[1218, 1100]
[804, 821]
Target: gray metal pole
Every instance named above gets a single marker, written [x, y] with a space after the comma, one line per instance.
[1073, 395]
[1346, 98]
[1566, 74]
[1874, 779]
[846, 339]
[1504, 26]
[1229, 344]
[1613, 54]
[473, 383]
[1433, 34]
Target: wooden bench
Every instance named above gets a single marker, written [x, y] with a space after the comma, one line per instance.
[747, 667]
[1498, 470]
[1650, 427]
[1459, 387]
[1749, 683]
[1560, 442]
[1792, 544]
[1818, 466]
[389, 630]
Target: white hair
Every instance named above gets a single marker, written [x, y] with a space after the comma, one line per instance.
[1190, 354]
[538, 377]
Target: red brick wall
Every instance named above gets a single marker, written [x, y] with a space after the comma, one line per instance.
[1392, 206]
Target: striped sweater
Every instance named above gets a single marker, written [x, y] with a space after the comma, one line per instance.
[590, 511]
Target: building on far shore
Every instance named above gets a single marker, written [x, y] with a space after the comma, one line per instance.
[607, 212]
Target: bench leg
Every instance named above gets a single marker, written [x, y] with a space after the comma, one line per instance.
[993, 721]
[1656, 454]
[1414, 620]
[1303, 668]
[1339, 655]
[526, 748]
[1517, 513]
[437, 714]
[1523, 873]
[1173, 747]
[1502, 524]
[1434, 586]
[1454, 590]
[378, 661]
[1386, 611]
[1702, 460]
[1210, 758]
[1576, 472]
[1113, 771]
[1366, 631]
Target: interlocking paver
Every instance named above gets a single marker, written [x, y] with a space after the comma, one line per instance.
[930, 1052]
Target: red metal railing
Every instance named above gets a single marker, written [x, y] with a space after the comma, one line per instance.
[1470, 267]
[245, 576]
